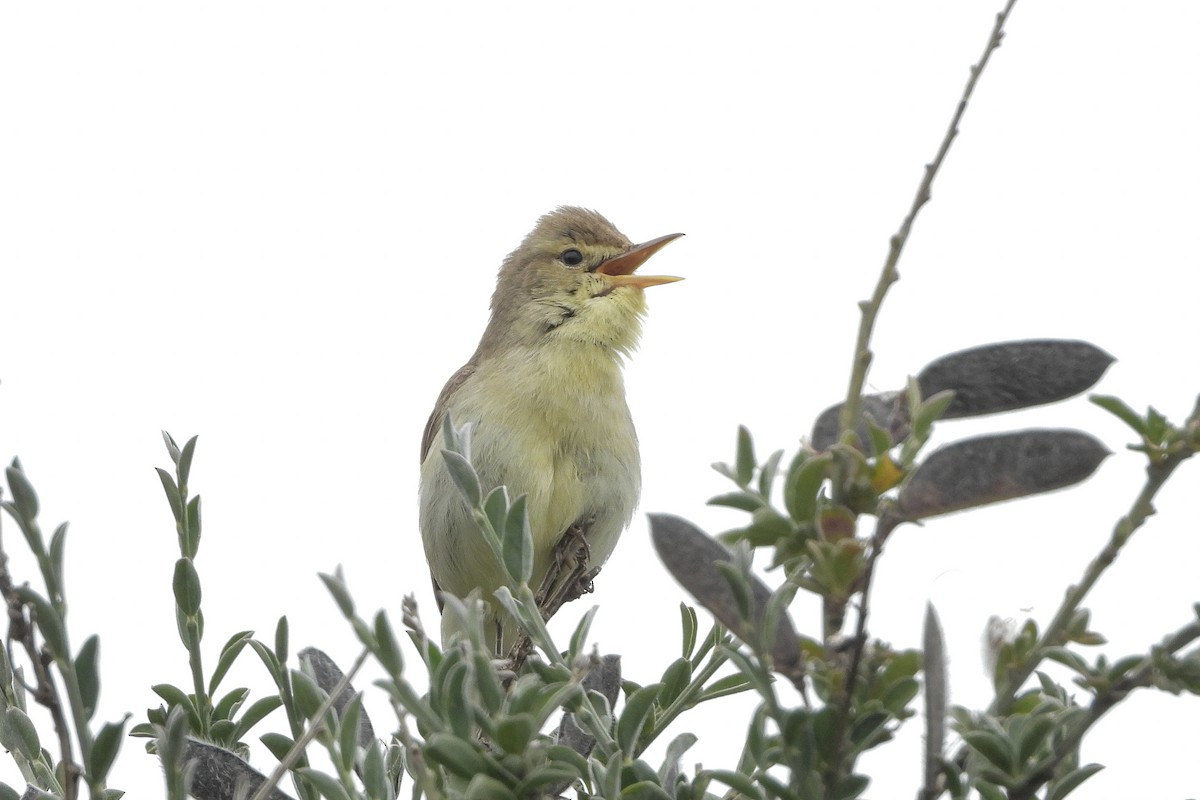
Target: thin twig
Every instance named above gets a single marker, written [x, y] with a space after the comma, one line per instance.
[1055, 632]
[862, 361]
[889, 275]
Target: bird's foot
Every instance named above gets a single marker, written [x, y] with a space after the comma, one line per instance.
[569, 576]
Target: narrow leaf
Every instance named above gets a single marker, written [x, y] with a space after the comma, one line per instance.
[745, 457]
[87, 672]
[25, 499]
[186, 585]
[517, 542]
[464, 476]
[104, 750]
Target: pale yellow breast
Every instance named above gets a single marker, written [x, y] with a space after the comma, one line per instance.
[554, 426]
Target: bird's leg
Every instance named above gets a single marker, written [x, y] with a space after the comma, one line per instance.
[516, 657]
[569, 576]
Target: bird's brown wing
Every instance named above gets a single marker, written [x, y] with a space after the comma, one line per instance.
[434, 425]
[432, 428]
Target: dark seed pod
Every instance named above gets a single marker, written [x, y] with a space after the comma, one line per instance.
[328, 675]
[605, 678]
[886, 410]
[218, 774]
[1010, 375]
[988, 469]
[691, 556]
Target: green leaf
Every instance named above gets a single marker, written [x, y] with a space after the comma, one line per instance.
[104, 750]
[464, 477]
[454, 687]
[730, 684]
[183, 467]
[737, 781]
[803, 484]
[514, 733]
[228, 705]
[899, 695]
[850, 787]
[571, 760]
[341, 593]
[746, 462]
[989, 791]
[58, 546]
[495, 507]
[348, 735]
[308, 695]
[387, 646]
[743, 501]
[487, 683]
[323, 782]
[255, 713]
[675, 679]
[867, 727]
[633, 717]
[193, 527]
[48, 622]
[1119, 409]
[374, 774]
[932, 408]
[222, 731]
[87, 672]
[278, 744]
[455, 754]
[25, 499]
[229, 654]
[675, 750]
[1068, 659]
[881, 439]
[993, 747]
[766, 474]
[547, 775]
[172, 448]
[1033, 735]
[172, 492]
[20, 734]
[1156, 425]
[644, 790]
[281, 639]
[725, 470]
[267, 657]
[517, 542]
[579, 636]
[1069, 782]
[485, 787]
[186, 585]
[690, 626]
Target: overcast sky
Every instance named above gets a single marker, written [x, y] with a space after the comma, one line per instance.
[277, 225]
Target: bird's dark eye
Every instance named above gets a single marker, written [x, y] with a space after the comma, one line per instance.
[572, 258]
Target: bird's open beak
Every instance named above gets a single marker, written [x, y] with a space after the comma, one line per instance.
[619, 270]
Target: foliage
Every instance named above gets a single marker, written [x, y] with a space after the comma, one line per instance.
[558, 716]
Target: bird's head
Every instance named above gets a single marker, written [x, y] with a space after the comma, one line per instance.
[573, 277]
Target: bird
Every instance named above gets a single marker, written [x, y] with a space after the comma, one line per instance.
[544, 394]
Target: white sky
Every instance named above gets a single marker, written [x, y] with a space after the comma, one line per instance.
[278, 225]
